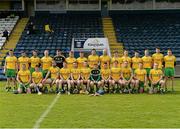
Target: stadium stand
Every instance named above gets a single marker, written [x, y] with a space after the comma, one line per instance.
[147, 31]
[7, 23]
[65, 26]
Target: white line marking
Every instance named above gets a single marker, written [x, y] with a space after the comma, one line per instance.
[45, 113]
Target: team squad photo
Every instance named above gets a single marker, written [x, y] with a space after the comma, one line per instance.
[95, 75]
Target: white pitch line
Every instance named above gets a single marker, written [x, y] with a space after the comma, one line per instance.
[45, 113]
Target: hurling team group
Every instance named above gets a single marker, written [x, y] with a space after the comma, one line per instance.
[94, 75]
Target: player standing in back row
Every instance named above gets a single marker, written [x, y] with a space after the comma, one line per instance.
[169, 71]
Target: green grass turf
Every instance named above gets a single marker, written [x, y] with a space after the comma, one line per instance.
[108, 111]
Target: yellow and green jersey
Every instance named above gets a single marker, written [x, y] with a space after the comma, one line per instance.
[75, 73]
[23, 60]
[158, 58]
[140, 74]
[126, 72]
[65, 73]
[85, 73]
[105, 73]
[93, 59]
[169, 61]
[81, 61]
[156, 74]
[115, 73]
[24, 76]
[46, 62]
[11, 62]
[147, 61]
[54, 72]
[105, 59]
[119, 59]
[135, 62]
[128, 59]
[34, 61]
[70, 61]
[37, 76]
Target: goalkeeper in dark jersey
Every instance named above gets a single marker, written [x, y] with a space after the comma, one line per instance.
[59, 59]
[95, 79]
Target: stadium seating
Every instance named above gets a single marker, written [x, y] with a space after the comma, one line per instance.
[6, 23]
[147, 31]
[65, 26]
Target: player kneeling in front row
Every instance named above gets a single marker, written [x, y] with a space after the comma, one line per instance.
[24, 79]
[65, 74]
[37, 78]
[156, 78]
[105, 74]
[116, 80]
[52, 77]
[75, 78]
[140, 76]
[85, 75]
[95, 78]
[128, 82]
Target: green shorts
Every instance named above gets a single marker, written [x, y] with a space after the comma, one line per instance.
[169, 72]
[10, 73]
[141, 84]
[23, 87]
[32, 70]
[44, 72]
[127, 78]
[148, 71]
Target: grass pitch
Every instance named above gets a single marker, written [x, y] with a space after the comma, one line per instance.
[81, 111]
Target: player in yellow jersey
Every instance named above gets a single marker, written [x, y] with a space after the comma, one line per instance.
[46, 63]
[106, 76]
[85, 74]
[105, 59]
[81, 60]
[93, 59]
[37, 78]
[10, 69]
[116, 58]
[156, 78]
[127, 75]
[70, 60]
[52, 77]
[140, 76]
[75, 78]
[24, 79]
[147, 63]
[116, 77]
[23, 60]
[34, 60]
[158, 58]
[126, 57]
[135, 61]
[169, 71]
[65, 74]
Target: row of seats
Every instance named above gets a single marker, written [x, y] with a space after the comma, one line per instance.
[65, 26]
[6, 24]
[148, 31]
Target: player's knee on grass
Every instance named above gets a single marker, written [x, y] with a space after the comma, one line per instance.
[162, 82]
[20, 90]
[48, 81]
[99, 84]
[57, 81]
[32, 85]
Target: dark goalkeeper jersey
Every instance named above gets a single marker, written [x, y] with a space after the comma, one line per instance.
[59, 60]
[95, 75]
